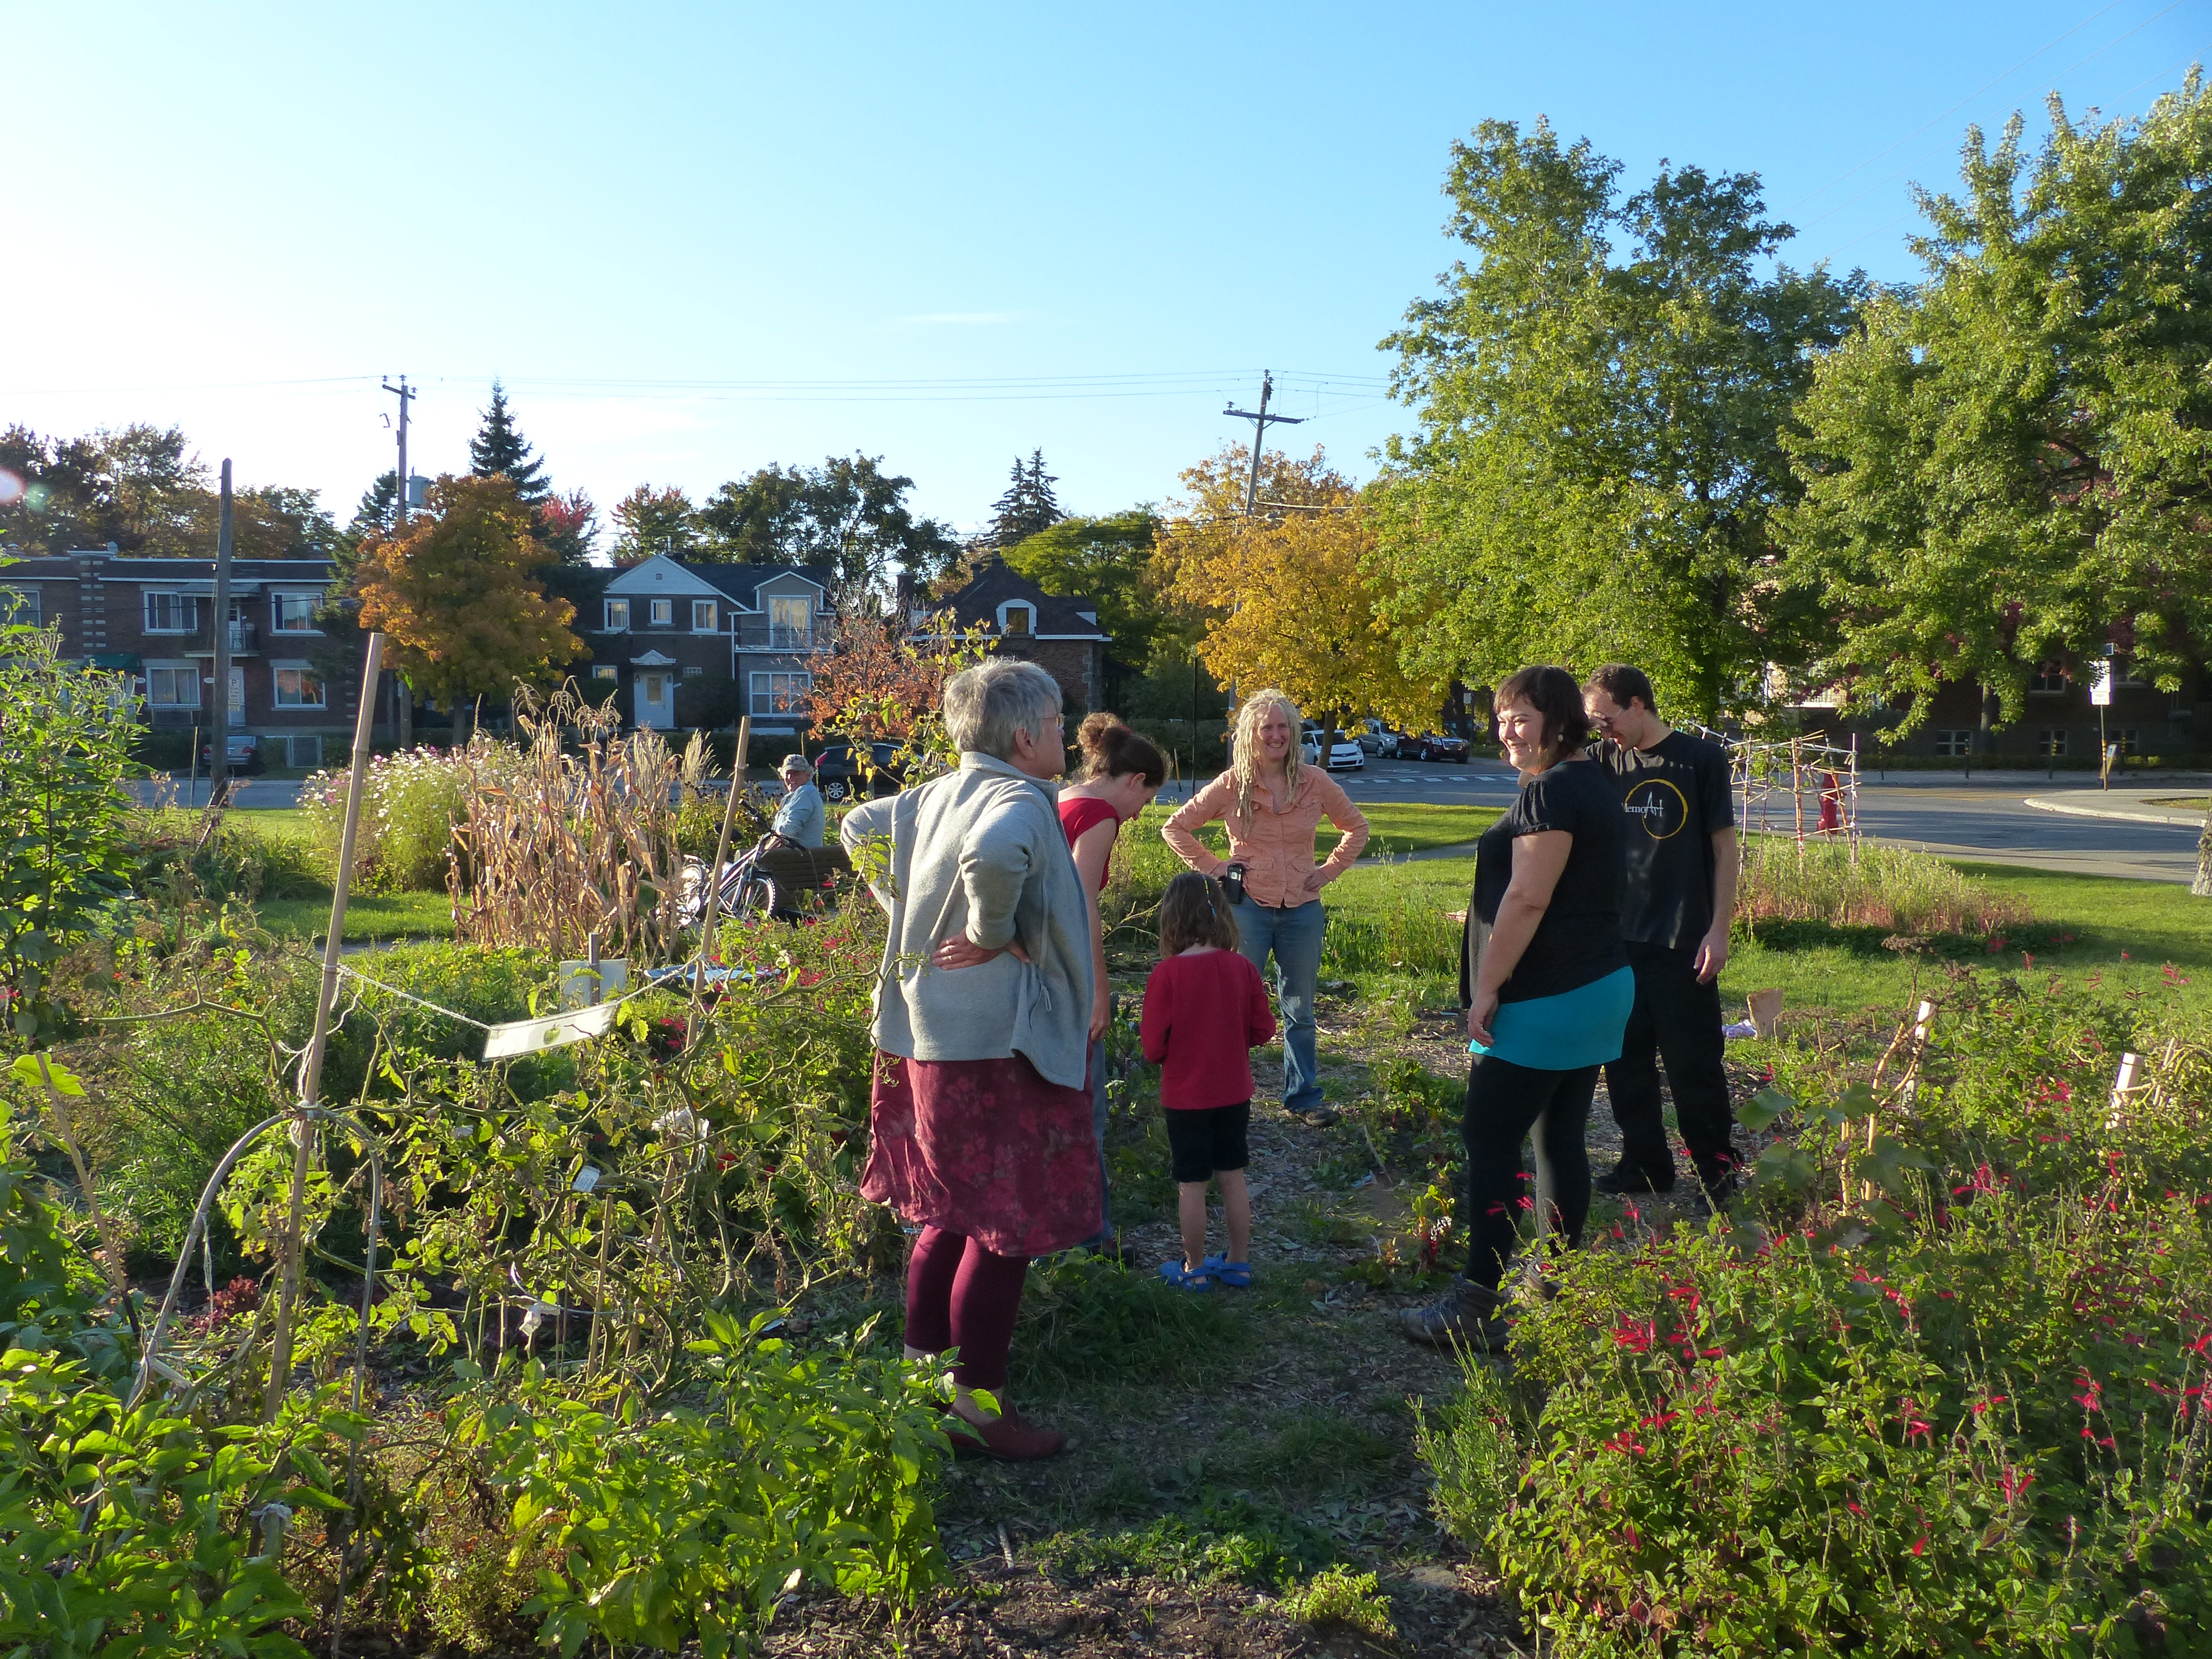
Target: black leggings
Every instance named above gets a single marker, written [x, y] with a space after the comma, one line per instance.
[1505, 1103]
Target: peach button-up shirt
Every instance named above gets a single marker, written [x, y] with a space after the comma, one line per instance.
[1275, 842]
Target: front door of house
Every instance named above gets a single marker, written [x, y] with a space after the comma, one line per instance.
[656, 701]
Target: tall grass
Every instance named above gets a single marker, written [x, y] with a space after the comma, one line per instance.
[1784, 880]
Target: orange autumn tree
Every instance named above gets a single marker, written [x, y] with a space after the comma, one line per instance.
[1285, 595]
[454, 598]
[880, 686]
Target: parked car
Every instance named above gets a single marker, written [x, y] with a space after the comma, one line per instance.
[1344, 755]
[839, 776]
[1449, 749]
[1410, 746]
[1376, 739]
[243, 750]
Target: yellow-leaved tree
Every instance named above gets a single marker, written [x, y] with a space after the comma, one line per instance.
[1284, 594]
[454, 595]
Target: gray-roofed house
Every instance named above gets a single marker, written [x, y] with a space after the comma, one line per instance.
[1059, 635]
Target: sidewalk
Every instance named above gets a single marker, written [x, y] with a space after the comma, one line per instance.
[2124, 805]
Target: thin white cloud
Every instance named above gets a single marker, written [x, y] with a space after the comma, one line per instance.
[971, 318]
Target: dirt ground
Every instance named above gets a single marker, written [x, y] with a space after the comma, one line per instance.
[1323, 1350]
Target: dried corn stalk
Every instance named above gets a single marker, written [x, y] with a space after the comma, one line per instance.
[574, 838]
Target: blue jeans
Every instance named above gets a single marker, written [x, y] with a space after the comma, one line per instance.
[1294, 936]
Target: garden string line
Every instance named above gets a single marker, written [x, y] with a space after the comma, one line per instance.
[517, 1036]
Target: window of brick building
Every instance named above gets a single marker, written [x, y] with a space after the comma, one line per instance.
[1955, 740]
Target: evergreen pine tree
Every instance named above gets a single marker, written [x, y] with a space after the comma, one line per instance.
[498, 448]
[1028, 505]
[1044, 505]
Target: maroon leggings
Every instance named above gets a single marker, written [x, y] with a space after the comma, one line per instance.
[960, 1295]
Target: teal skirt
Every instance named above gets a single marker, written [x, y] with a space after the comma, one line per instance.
[1565, 1033]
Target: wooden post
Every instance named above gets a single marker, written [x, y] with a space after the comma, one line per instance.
[310, 1067]
[2125, 1083]
[714, 878]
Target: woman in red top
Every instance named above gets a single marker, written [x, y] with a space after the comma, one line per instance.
[1121, 773]
[1205, 1010]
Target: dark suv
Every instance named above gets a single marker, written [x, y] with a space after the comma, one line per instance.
[838, 774]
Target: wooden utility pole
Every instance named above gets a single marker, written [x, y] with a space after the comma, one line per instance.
[1260, 422]
[219, 772]
[403, 695]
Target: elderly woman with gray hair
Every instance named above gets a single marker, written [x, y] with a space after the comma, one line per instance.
[981, 1116]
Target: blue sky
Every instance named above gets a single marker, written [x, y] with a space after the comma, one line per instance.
[697, 239]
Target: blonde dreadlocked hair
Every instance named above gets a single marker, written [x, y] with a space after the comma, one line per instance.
[1244, 764]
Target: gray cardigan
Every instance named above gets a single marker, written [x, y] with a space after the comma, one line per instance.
[981, 851]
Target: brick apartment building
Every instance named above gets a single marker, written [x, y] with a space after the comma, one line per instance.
[2060, 723]
[293, 687]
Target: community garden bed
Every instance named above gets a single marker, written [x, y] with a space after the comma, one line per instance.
[629, 1377]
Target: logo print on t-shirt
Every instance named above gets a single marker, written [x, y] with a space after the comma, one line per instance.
[1658, 805]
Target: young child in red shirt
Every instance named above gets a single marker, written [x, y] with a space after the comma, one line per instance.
[1205, 1010]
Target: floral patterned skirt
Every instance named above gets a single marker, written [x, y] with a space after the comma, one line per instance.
[984, 1147]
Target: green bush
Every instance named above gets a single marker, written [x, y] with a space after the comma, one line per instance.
[405, 840]
[692, 1522]
[1945, 1397]
[237, 861]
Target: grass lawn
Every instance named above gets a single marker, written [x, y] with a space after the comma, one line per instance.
[1403, 828]
[368, 916]
[2125, 934]
[2186, 803]
[272, 820]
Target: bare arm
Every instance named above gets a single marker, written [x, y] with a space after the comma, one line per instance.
[1713, 949]
[1093, 847]
[1537, 861]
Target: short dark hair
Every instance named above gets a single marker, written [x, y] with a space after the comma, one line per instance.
[1194, 911]
[1558, 700]
[1623, 685]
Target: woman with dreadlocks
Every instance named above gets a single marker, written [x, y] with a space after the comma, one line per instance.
[1272, 806]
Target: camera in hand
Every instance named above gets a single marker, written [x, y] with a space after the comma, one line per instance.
[1233, 881]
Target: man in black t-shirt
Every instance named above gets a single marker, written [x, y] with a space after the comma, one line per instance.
[1674, 921]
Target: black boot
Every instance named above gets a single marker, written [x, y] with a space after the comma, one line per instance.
[1624, 1180]
[1469, 1317]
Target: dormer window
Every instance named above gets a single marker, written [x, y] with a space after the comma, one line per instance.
[1017, 620]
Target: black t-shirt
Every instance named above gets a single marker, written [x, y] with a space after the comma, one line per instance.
[1578, 940]
[1675, 794]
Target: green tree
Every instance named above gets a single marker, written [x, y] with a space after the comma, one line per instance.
[1108, 561]
[1598, 458]
[1028, 505]
[140, 487]
[65, 736]
[649, 521]
[848, 514]
[458, 596]
[499, 449]
[2013, 460]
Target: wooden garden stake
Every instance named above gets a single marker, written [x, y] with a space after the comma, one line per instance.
[2125, 1083]
[714, 880]
[311, 1068]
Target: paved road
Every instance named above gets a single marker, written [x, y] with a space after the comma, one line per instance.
[1986, 818]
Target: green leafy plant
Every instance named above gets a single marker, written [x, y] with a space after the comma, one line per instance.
[1337, 1595]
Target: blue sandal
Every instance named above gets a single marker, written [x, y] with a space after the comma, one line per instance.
[1237, 1275]
[1182, 1279]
